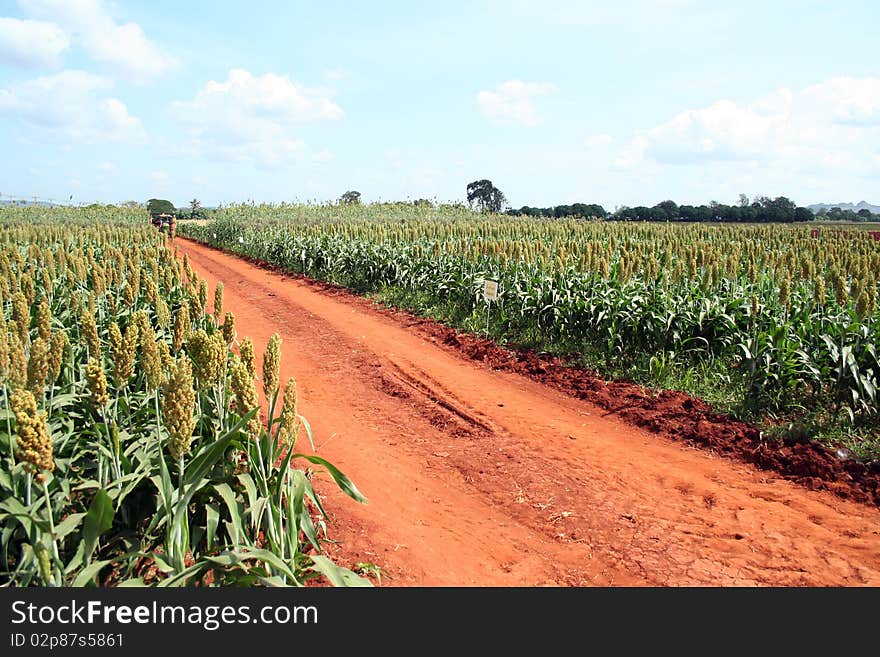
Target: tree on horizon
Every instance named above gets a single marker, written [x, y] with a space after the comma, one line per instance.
[485, 196]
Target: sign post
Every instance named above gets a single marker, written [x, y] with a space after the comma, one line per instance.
[490, 294]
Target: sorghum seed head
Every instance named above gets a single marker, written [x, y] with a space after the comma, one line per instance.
[4, 349]
[229, 328]
[165, 356]
[218, 300]
[785, 291]
[178, 405]
[141, 322]
[27, 286]
[862, 305]
[248, 358]
[208, 353]
[151, 360]
[819, 290]
[21, 315]
[17, 375]
[272, 366]
[123, 351]
[246, 398]
[117, 342]
[203, 294]
[44, 320]
[34, 442]
[196, 309]
[289, 415]
[60, 343]
[38, 366]
[96, 382]
[90, 333]
[181, 327]
[163, 314]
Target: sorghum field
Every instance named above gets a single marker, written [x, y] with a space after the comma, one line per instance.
[773, 323]
[133, 449]
[145, 441]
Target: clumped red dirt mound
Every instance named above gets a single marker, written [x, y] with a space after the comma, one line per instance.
[668, 413]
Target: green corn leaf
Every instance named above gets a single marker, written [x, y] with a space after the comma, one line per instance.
[87, 575]
[251, 489]
[212, 514]
[97, 521]
[338, 575]
[308, 428]
[341, 480]
[134, 582]
[70, 523]
[235, 511]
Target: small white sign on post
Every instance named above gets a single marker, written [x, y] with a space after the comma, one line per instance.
[490, 290]
[490, 294]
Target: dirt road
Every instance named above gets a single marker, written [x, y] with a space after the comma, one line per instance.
[480, 477]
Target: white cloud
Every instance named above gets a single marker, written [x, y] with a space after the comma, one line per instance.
[854, 101]
[255, 118]
[31, 43]
[723, 130]
[121, 48]
[598, 141]
[513, 101]
[336, 74]
[833, 125]
[632, 154]
[324, 155]
[71, 105]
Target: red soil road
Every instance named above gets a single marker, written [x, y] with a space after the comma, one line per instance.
[487, 478]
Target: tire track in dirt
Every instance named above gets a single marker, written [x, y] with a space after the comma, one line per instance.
[480, 477]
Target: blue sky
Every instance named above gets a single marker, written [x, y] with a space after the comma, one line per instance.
[619, 103]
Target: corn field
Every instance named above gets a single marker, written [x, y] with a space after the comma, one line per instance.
[134, 447]
[782, 320]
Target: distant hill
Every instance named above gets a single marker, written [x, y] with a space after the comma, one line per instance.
[24, 202]
[855, 207]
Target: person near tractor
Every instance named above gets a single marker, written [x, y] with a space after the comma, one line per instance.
[165, 222]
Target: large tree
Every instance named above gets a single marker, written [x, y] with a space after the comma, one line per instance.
[483, 195]
[160, 206]
[351, 197]
[194, 206]
[666, 211]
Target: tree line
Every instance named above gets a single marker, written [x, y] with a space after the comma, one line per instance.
[164, 206]
[482, 195]
[560, 211]
[837, 214]
[762, 209]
